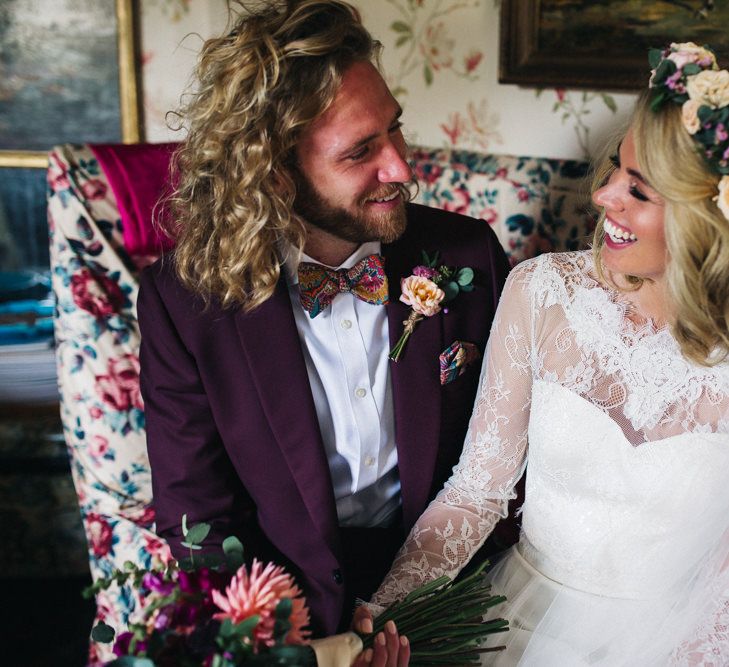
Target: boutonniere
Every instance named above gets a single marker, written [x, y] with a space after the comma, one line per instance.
[429, 288]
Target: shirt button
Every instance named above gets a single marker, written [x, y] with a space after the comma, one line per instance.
[360, 393]
[346, 324]
[337, 576]
[369, 461]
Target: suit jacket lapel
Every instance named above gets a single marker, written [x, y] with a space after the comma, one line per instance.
[415, 385]
[273, 350]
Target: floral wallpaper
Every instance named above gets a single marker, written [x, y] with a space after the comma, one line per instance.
[441, 60]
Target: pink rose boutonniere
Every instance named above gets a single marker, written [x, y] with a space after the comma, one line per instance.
[426, 290]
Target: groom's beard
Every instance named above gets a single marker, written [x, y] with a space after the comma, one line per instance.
[359, 226]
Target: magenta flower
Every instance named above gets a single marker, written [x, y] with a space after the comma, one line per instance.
[425, 272]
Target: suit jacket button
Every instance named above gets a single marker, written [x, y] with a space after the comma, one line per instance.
[337, 575]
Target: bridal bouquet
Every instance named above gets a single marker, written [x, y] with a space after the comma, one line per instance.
[214, 611]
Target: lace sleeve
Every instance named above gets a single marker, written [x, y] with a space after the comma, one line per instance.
[461, 517]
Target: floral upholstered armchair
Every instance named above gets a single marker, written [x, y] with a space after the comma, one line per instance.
[100, 209]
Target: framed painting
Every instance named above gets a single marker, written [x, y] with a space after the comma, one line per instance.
[67, 73]
[601, 44]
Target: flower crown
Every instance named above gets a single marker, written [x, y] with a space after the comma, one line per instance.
[688, 75]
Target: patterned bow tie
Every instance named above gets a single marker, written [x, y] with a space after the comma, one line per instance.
[318, 285]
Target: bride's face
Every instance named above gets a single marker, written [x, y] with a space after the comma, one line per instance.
[635, 241]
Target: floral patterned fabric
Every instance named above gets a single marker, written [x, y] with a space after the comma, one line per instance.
[535, 206]
[97, 343]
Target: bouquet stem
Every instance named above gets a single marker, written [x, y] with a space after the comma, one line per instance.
[409, 325]
[444, 621]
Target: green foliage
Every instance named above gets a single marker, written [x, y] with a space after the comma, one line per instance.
[233, 550]
[102, 633]
[654, 57]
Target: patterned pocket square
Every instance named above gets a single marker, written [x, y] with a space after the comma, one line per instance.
[455, 360]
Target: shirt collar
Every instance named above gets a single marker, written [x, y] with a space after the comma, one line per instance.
[295, 257]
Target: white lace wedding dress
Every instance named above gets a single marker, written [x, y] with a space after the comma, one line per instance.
[622, 557]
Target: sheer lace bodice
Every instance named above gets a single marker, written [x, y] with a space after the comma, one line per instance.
[627, 441]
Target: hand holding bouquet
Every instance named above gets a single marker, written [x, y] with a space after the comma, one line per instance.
[196, 614]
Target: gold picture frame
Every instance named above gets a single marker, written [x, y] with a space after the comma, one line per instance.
[129, 100]
[600, 45]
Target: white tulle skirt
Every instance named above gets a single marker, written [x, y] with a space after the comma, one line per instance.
[552, 625]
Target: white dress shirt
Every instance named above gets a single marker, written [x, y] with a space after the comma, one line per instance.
[345, 348]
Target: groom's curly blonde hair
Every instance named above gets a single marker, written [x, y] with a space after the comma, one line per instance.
[257, 88]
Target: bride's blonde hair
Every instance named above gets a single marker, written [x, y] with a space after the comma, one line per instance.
[697, 233]
[257, 88]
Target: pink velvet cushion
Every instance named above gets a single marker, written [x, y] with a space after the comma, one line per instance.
[138, 175]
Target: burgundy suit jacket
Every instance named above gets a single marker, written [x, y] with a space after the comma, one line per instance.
[232, 432]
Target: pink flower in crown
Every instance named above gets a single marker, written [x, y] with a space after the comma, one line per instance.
[522, 194]
[96, 294]
[674, 82]
[688, 52]
[96, 412]
[99, 534]
[258, 593]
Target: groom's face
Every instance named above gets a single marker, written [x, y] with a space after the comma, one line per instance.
[352, 171]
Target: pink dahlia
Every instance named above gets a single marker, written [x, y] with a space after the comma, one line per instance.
[258, 593]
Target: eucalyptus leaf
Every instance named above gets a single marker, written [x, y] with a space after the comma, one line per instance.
[464, 276]
[198, 533]
[190, 545]
[690, 69]
[102, 633]
[450, 289]
[233, 549]
[132, 661]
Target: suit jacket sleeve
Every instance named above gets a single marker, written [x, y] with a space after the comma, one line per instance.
[191, 471]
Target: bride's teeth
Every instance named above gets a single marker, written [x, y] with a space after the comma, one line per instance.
[618, 235]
